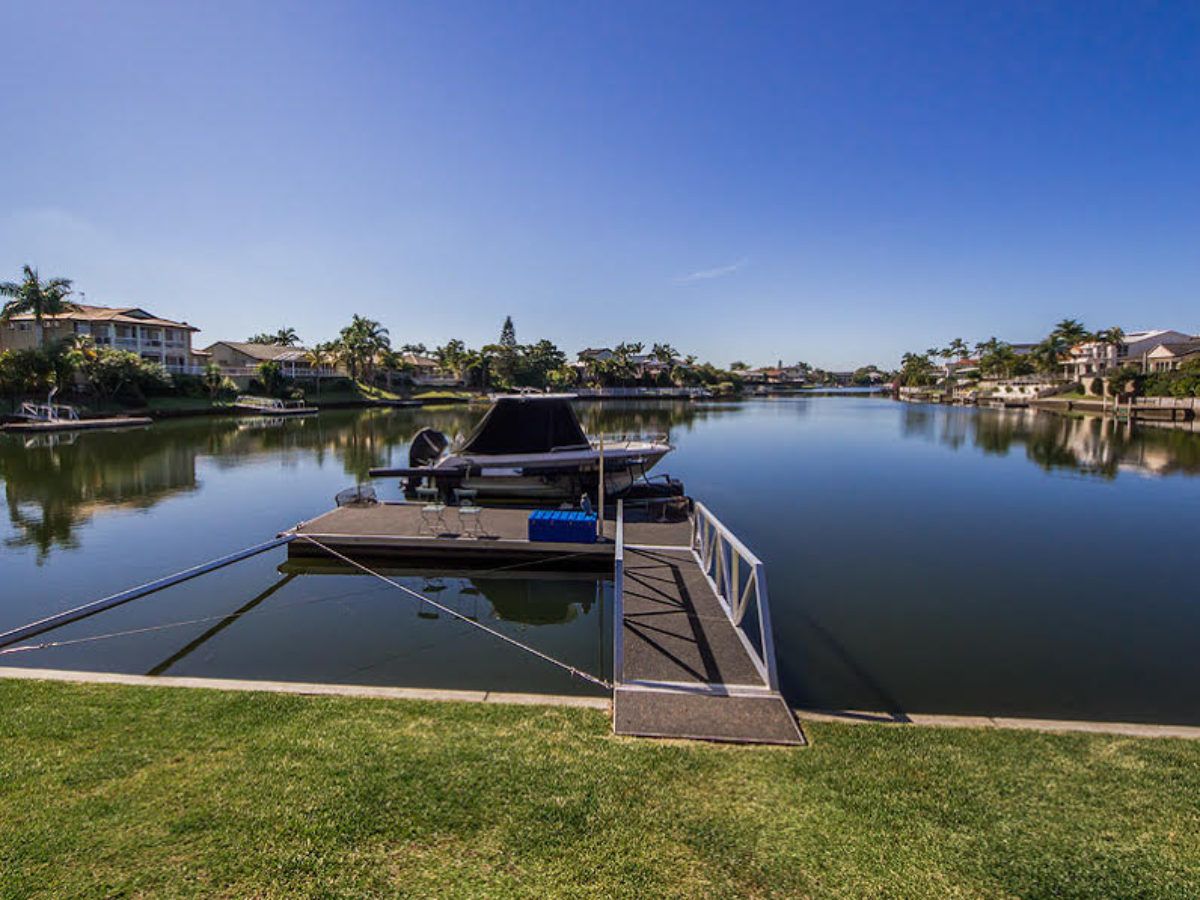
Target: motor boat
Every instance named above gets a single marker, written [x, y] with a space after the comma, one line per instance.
[529, 447]
[273, 406]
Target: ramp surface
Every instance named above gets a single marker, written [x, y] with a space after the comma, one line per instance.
[686, 671]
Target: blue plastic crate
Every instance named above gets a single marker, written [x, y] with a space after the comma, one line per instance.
[563, 526]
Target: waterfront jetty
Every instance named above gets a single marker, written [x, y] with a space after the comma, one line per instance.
[693, 650]
[40, 418]
[42, 427]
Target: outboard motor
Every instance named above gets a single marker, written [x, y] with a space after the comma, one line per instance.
[427, 447]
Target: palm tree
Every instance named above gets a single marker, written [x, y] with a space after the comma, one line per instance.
[450, 357]
[664, 353]
[32, 296]
[476, 366]
[318, 358]
[1048, 353]
[1071, 331]
[360, 342]
[957, 349]
[286, 337]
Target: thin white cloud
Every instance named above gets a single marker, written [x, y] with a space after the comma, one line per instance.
[709, 274]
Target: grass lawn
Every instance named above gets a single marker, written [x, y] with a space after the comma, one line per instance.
[432, 396]
[359, 391]
[112, 791]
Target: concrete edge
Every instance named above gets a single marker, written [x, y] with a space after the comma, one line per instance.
[1014, 723]
[308, 688]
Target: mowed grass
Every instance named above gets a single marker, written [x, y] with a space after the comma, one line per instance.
[116, 791]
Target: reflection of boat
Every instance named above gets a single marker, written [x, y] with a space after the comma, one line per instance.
[530, 447]
[524, 597]
[273, 406]
[266, 420]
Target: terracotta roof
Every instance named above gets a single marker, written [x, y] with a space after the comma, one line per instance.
[264, 352]
[125, 315]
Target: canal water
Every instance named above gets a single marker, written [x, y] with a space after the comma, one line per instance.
[920, 558]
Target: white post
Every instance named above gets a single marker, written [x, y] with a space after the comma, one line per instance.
[600, 492]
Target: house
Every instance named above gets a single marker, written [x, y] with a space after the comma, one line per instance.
[792, 376]
[1094, 359]
[131, 328]
[237, 358]
[1168, 357]
[600, 354]
[428, 372]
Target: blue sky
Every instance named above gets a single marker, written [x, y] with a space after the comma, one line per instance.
[834, 182]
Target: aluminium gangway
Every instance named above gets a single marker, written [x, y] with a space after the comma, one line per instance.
[693, 650]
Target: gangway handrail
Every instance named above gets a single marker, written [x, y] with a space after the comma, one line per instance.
[618, 630]
[720, 556]
[49, 412]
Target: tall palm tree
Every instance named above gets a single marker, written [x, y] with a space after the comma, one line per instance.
[957, 349]
[664, 353]
[1071, 331]
[360, 342]
[286, 337]
[450, 357]
[33, 296]
[318, 358]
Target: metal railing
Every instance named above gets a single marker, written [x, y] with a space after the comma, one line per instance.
[629, 437]
[618, 627]
[739, 580]
[663, 392]
[48, 412]
[268, 403]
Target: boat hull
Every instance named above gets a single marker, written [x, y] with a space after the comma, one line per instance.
[551, 477]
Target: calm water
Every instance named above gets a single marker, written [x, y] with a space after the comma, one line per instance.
[919, 558]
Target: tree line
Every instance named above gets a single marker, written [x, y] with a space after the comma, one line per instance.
[998, 359]
[364, 349]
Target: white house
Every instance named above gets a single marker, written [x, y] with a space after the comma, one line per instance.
[1095, 358]
[1167, 357]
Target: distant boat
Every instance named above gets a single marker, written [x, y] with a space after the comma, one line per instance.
[530, 447]
[273, 406]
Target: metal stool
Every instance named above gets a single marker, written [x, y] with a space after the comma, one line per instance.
[470, 513]
[433, 513]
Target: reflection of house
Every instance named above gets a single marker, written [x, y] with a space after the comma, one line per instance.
[1167, 357]
[241, 358]
[123, 328]
[1095, 358]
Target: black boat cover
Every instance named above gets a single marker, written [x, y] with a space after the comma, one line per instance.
[526, 425]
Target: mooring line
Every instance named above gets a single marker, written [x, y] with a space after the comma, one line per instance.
[578, 673]
[47, 645]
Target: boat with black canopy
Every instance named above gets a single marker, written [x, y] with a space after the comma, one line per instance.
[529, 447]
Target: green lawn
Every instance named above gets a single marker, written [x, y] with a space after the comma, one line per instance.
[115, 791]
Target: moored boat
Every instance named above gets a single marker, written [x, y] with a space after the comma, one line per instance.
[530, 447]
[273, 406]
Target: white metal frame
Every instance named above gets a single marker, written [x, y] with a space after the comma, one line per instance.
[721, 557]
[618, 627]
[49, 412]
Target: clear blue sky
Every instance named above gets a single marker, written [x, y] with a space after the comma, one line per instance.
[834, 182]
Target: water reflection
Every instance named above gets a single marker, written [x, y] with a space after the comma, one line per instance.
[1088, 445]
[54, 484]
